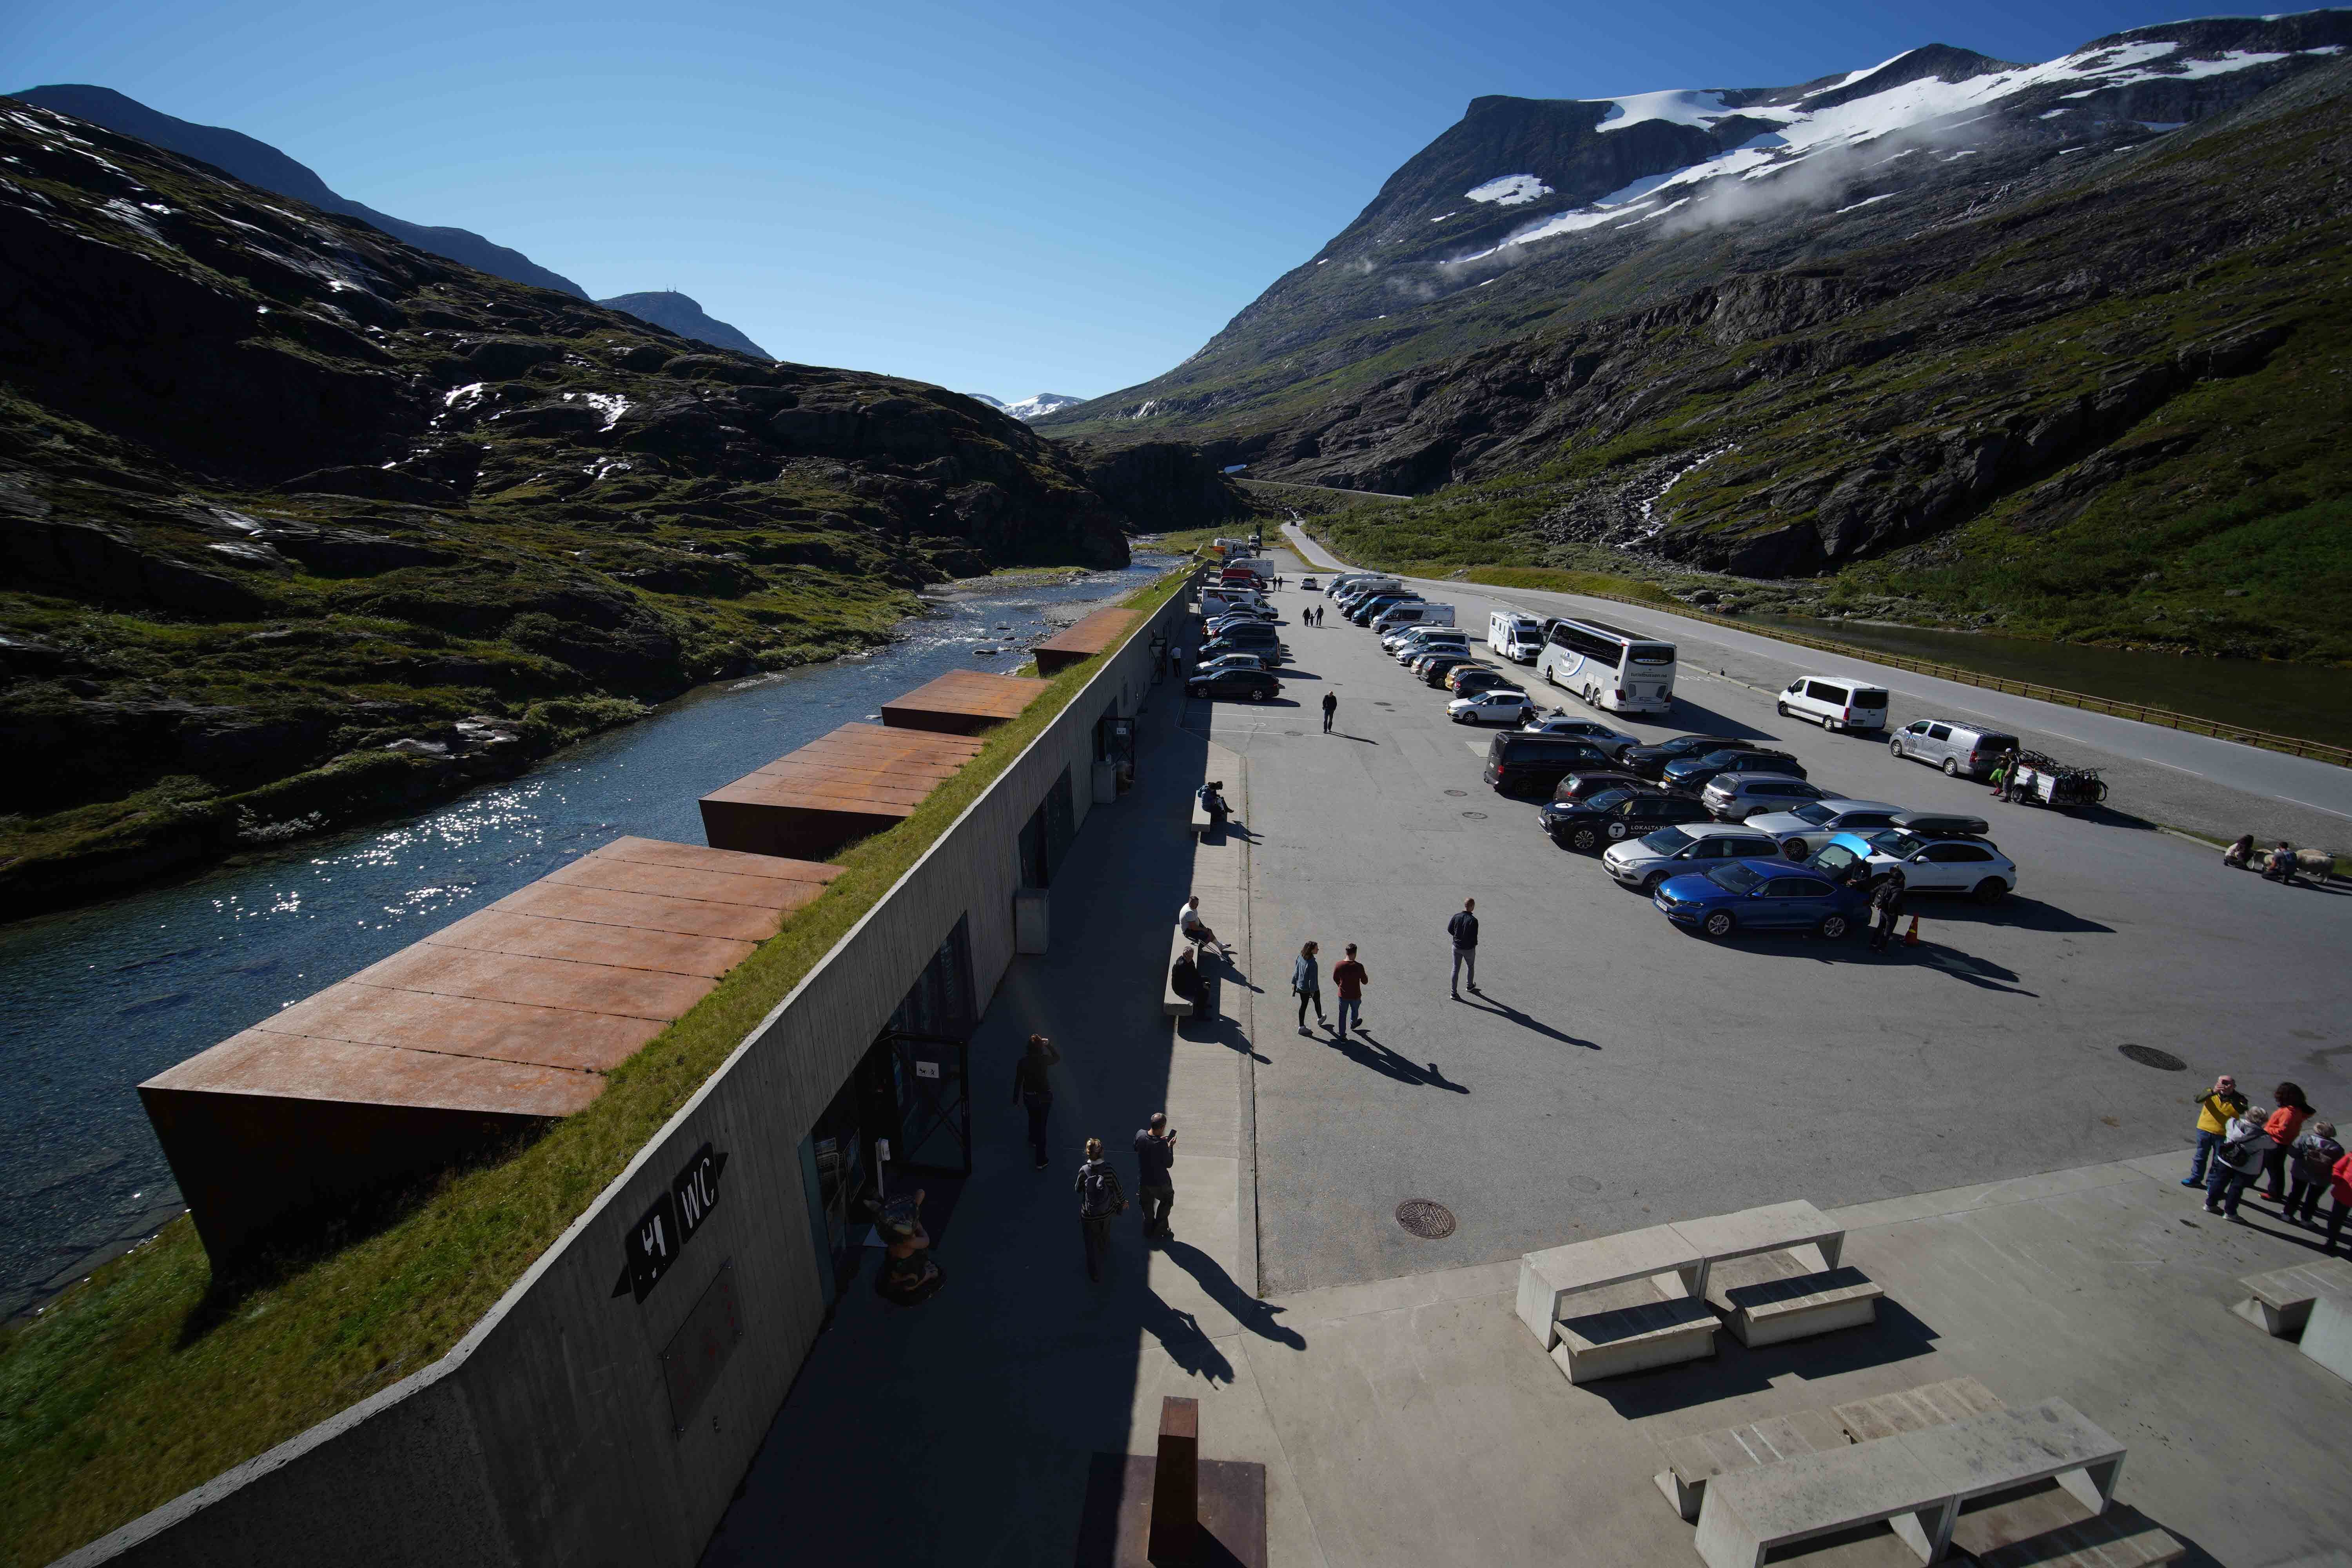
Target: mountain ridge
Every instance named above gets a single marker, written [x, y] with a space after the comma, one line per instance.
[685, 316]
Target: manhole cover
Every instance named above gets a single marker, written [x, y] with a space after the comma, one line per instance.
[1476, 816]
[2150, 1056]
[1457, 792]
[1428, 1220]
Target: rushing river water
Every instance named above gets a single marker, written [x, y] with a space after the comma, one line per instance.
[95, 1000]
[2311, 701]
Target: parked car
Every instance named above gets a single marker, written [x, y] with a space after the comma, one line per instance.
[1250, 685]
[1650, 761]
[1694, 774]
[1469, 680]
[1521, 763]
[1306, 585]
[1558, 721]
[1801, 828]
[1614, 814]
[1585, 785]
[1405, 644]
[1366, 608]
[1834, 703]
[1216, 623]
[1643, 863]
[1230, 661]
[1760, 895]
[1936, 853]
[1268, 653]
[1954, 747]
[1735, 797]
[1434, 667]
[1501, 705]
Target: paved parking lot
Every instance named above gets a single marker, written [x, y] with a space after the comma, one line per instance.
[1618, 1073]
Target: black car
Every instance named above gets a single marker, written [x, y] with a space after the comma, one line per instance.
[1651, 761]
[1472, 682]
[1585, 785]
[1521, 763]
[1694, 774]
[1615, 814]
[1246, 685]
[1435, 668]
[1363, 613]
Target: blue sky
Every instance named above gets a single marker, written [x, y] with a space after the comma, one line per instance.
[1050, 196]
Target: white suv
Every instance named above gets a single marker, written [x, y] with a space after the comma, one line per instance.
[1644, 863]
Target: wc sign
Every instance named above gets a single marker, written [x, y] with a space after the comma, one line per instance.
[661, 1233]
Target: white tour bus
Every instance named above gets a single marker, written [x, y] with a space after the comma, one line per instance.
[1515, 636]
[1614, 670]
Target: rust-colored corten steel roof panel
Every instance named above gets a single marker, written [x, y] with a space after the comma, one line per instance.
[586, 942]
[1084, 639]
[696, 858]
[263, 1062]
[963, 702]
[679, 882]
[539, 982]
[842, 786]
[652, 911]
[360, 1014]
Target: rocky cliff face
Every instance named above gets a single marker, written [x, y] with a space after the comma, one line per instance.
[299, 520]
[1162, 485]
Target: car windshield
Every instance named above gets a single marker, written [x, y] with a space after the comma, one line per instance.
[1736, 877]
[1666, 840]
[1834, 858]
[1813, 813]
[1900, 844]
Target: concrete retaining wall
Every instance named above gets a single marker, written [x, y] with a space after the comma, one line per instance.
[548, 1435]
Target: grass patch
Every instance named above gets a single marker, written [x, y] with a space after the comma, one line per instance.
[154, 1377]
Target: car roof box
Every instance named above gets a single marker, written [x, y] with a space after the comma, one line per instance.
[1946, 824]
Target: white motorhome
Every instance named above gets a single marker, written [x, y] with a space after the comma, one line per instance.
[1413, 613]
[1614, 670]
[1259, 566]
[1514, 635]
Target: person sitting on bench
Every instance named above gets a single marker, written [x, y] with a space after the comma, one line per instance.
[1212, 801]
[1195, 929]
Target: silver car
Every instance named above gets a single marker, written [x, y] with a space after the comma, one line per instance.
[1954, 747]
[1802, 829]
[1734, 796]
[1559, 723]
[1646, 862]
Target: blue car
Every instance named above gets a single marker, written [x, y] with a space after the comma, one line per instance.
[1760, 895]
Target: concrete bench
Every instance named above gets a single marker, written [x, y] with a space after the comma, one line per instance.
[1915, 1409]
[1795, 1226]
[2123, 1537]
[2327, 1334]
[1915, 1482]
[1692, 1462]
[1775, 1296]
[1202, 820]
[1171, 1004]
[1544, 1278]
[1665, 1329]
[2279, 1302]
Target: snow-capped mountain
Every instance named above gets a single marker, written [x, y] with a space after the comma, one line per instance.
[1030, 407]
[1534, 209]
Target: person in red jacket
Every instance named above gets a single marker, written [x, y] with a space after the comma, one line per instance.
[2340, 1189]
[2284, 1126]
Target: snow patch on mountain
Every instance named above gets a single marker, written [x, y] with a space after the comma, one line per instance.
[1036, 407]
[1509, 191]
[1678, 107]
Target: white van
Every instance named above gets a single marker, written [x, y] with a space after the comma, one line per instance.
[1415, 613]
[1259, 566]
[1514, 637]
[1834, 703]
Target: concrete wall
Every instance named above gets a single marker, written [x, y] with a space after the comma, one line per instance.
[547, 1436]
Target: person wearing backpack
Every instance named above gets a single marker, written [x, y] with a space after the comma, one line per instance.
[1100, 1200]
[2312, 1160]
[2236, 1162]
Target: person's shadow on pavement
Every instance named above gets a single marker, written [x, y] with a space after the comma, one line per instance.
[1182, 1338]
[1485, 1003]
[1253, 1314]
[1369, 1052]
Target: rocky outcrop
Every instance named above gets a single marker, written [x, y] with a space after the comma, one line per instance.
[1162, 487]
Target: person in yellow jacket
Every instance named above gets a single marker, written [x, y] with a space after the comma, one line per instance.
[2215, 1106]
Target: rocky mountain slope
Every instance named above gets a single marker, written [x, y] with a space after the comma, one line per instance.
[669, 308]
[259, 164]
[2105, 397]
[299, 521]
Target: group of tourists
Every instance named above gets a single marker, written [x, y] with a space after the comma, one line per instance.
[2294, 1152]
[1102, 1198]
[2278, 868]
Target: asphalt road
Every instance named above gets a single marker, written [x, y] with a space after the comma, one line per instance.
[1618, 1073]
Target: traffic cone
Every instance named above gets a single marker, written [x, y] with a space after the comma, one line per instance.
[1911, 937]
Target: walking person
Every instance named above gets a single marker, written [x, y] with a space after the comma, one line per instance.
[1351, 977]
[2312, 1164]
[1100, 1201]
[1885, 909]
[2284, 1125]
[1033, 1091]
[1307, 984]
[2215, 1106]
[2236, 1162]
[1155, 1178]
[1464, 928]
[1330, 706]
